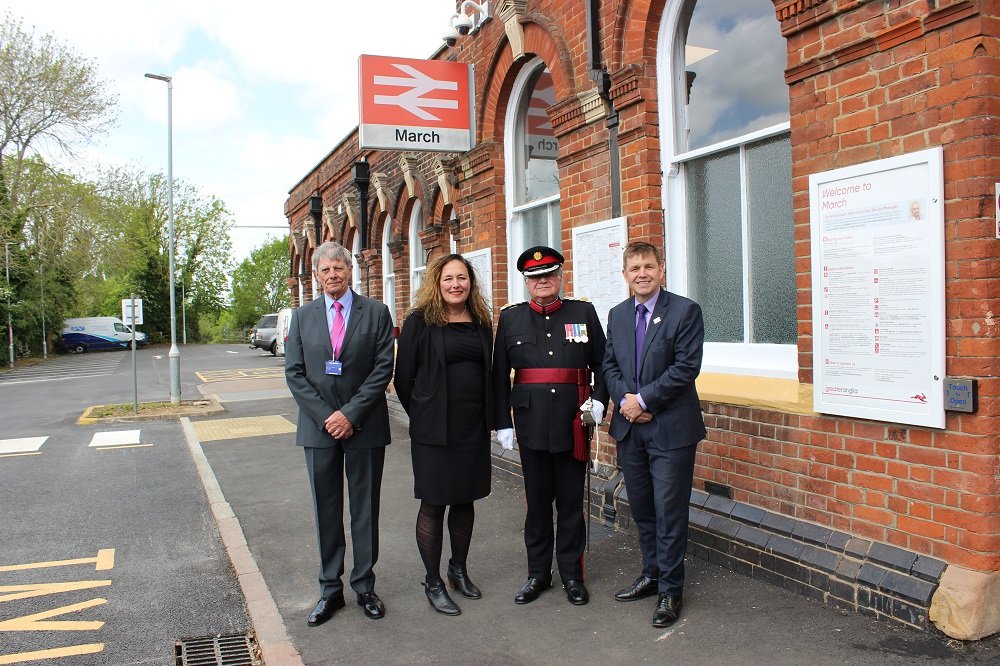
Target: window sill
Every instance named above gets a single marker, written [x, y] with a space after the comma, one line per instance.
[787, 395]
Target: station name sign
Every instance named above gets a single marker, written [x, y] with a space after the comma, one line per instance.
[420, 105]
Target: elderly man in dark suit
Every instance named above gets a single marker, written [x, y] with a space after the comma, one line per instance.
[338, 362]
[651, 360]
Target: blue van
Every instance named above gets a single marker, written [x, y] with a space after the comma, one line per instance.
[83, 333]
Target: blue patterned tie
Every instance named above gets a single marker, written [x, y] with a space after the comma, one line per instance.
[640, 337]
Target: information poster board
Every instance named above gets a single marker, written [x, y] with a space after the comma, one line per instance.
[878, 289]
[482, 261]
[597, 264]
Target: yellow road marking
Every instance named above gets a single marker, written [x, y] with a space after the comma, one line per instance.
[210, 376]
[42, 589]
[104, 560]
[249, 426]
[51, 653]
[123, 446]
[37, 621]
[11, 455]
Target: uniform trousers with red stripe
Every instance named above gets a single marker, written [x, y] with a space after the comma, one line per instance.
[554, 478]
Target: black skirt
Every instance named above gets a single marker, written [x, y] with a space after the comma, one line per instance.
[458, 472]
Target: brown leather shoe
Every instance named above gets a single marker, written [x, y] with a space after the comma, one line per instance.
[668, 608]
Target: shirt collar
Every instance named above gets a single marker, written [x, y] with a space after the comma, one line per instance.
[346, 300]
[651, 303]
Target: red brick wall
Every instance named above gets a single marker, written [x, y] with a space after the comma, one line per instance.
[866, 80]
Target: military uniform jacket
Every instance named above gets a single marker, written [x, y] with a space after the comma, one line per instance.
[543, 413]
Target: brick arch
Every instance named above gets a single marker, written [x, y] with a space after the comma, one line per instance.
[541, 39]
[636, 31]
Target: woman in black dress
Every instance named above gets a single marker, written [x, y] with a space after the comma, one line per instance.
[443, 382]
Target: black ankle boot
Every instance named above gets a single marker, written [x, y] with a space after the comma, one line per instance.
[458, 579]
[438, 597]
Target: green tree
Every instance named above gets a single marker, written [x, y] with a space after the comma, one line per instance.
[260, 283]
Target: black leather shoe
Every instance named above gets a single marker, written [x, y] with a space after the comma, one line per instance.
[668, 607]
[372, 605]
[532, 589]
[325, 609]
[642, 587]
[458, 579]
[438, 597]
[576, 592]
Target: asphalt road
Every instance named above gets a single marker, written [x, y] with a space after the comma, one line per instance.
[108, 554]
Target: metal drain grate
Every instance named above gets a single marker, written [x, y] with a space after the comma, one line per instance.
[236, 650]
[599, 531]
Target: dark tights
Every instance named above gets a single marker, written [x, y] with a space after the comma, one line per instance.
[430, 535]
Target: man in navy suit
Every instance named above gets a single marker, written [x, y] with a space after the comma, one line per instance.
[338, 362]
[651, 360]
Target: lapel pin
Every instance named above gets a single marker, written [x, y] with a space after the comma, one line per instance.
[656, 321]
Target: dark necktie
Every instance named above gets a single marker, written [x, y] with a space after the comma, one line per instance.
[640, 337]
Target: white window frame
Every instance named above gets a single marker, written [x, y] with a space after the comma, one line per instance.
[388, 276]
[417, 261]
[515, 242]
[740, 358]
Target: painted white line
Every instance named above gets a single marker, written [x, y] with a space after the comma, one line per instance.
[116, 438]
[229, 351]
[22, 444]
[122, 446]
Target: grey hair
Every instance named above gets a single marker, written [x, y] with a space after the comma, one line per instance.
[334, 252]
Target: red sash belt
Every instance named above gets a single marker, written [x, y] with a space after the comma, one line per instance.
[578, 376]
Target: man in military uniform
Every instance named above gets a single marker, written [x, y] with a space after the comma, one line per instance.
[554, 345]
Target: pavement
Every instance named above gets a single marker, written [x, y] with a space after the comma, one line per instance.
[257, 485]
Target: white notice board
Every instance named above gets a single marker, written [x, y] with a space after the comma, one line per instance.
[597, 264]
[878, 289]
[482, 262]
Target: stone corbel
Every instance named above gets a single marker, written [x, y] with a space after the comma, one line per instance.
[511, 12]
[350, 201]
[445, 179]
[309, 232]
[396, 248]
[408, 163]
[330, 219]
[380, 182]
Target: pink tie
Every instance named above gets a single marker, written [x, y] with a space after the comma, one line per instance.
[337, 332]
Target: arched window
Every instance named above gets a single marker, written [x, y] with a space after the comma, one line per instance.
[727, 156]
[388, 276]
[417, 258]
[531, 150]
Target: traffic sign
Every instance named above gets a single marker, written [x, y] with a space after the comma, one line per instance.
[409, 104]
[128, 315]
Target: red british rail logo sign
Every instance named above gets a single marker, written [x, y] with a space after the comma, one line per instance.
[409, 104]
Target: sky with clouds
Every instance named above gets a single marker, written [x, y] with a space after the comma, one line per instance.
[261, 91]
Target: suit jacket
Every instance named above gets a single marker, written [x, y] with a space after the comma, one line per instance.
[359, 393]
[421, 379]
[671, 360]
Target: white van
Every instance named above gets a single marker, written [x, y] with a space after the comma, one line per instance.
[284, 319]
[83, 333]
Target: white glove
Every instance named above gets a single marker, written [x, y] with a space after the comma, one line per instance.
[506, 438]
[597, 411]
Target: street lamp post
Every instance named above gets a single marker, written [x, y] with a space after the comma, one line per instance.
[10, 325]
[175, 353]
[41, 274]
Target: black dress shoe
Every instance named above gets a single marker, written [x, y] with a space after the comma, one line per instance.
[325, 609]
[642, 587]
[372, 605]
[668, 607]
[458, 579]
[531, 590]
[438, 597]
[576, 592]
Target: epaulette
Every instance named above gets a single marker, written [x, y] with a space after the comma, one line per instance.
[581, 298]
[513, 305]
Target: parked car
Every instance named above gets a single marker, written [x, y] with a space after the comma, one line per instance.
[82, 333]
[284, 319]
[265, 334]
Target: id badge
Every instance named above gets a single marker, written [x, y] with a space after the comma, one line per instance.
[334, 368]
